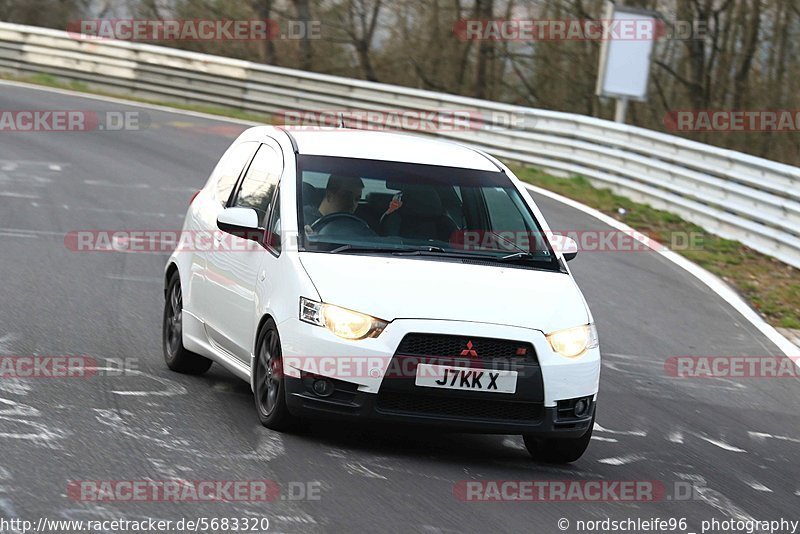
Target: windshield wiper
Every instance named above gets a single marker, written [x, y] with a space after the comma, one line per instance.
[391, 250]
[431, 250]
[419, 251]
[523, 256]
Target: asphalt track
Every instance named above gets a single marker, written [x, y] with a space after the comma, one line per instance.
[737, 441]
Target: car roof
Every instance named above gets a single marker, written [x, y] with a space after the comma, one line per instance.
[368, 144]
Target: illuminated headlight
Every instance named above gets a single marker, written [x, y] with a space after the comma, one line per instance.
[342, 322]
[573, 342]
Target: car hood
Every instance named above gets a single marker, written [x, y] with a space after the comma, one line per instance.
[414, 288]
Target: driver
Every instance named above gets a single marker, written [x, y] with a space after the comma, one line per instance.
[341, 196]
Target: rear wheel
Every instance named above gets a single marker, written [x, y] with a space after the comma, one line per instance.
[270, 390]
[558, 450]
[175, 354]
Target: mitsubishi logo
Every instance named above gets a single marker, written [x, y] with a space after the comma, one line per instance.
[469, 351]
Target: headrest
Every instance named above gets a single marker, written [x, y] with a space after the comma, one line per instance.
[420, 201]
[311, 195]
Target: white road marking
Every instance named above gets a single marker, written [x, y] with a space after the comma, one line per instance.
[609, 440]
[54, 167]
[143, 279]
[720, 444]
[676, 437]
[25, 236]
[171, 388]
[106, 183]
[762, 436]
[41, 434]
[189, 190]
[165, 468]
[270, 446]
[13, 164]
[17, 410]
[359, 469]
[25, 231]
[15, 386]
[638, 433]
[11, 194]
[120, 211]
[758, 486]
[622, 460]
[722, 503]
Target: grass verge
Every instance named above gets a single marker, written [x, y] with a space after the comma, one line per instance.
[49, 80]
[771, 286]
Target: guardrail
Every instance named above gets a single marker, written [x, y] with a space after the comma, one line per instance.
[734, 195]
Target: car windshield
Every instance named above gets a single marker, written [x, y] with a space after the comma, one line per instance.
[356, 205]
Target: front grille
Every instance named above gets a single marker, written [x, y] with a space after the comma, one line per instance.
[439, 345]
[477, 409]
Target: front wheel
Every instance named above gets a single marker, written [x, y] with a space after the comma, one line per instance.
[558, 450]
[175, 354]
[270, 390]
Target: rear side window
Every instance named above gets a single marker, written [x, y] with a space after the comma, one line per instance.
[230, 168]
[261, 182]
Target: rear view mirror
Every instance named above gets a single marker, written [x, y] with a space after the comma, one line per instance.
[241, 222]
[567, 246]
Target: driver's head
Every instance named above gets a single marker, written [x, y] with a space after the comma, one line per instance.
[341, 195]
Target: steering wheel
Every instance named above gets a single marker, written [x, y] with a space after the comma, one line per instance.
[343, 224]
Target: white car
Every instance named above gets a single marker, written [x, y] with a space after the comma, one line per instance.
[385, 277]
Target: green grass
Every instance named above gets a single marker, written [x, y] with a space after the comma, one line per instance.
[771, 287]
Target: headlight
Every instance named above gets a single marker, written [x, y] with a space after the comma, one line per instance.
[342, 322]
[573, 342]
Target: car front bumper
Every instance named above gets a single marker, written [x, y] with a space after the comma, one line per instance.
[375, 391]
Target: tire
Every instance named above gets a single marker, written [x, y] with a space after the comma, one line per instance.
[175, 354]
[558, 450]
[269, 381]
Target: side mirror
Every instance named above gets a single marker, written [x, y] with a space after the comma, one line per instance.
[241, 222]
[567, 245]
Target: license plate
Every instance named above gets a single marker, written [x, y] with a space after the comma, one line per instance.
[465, 378]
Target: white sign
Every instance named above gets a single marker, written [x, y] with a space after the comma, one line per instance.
[625, 53]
